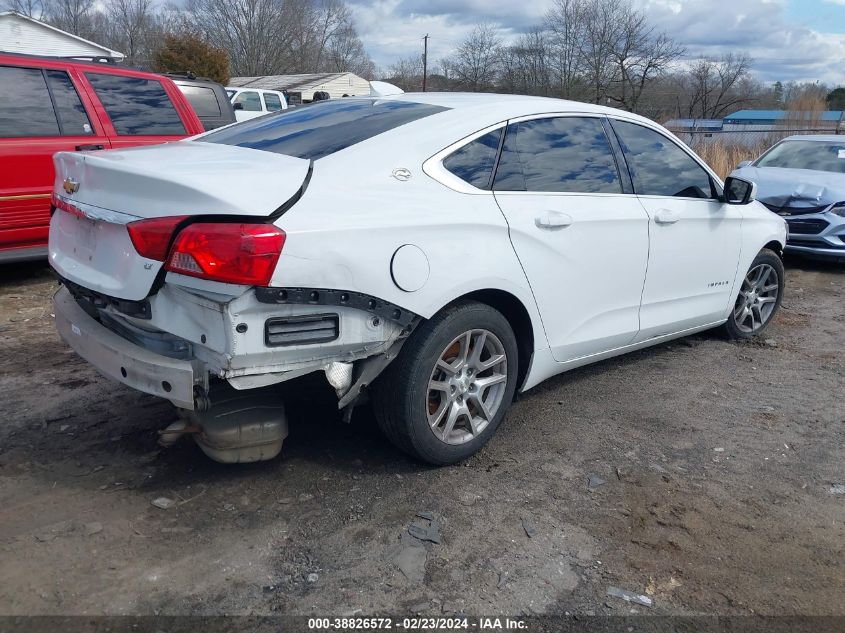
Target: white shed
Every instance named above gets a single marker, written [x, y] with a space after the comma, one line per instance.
[20, 34]
[302, 87]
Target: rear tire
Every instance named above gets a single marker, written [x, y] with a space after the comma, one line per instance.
[759, 297]
[449, 389]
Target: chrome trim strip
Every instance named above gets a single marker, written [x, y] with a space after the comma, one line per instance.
[96, 213]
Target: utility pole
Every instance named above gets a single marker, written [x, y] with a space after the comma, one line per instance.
[425, 59]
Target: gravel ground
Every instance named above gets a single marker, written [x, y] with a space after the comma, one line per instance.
[705, 474]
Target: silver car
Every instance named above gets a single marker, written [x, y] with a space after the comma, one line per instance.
[802, 178]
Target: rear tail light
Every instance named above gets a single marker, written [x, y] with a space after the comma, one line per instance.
[229, 252]
[151, 238]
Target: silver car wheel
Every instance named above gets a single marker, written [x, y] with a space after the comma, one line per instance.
[757, 298]
[467, 386]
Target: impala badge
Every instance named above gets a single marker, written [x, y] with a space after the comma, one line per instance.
[70, 185]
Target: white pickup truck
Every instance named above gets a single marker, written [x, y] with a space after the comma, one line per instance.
[252, 102]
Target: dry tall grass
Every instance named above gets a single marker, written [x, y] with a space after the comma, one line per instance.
[723, 155]
[724, 151]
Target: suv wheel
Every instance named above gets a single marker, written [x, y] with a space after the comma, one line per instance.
[759, 297]
[449, 389]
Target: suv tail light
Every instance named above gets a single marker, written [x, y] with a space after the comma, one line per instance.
[230, 252]
[151, 238]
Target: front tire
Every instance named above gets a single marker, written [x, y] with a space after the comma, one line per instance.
[450, 387]
[759, 297]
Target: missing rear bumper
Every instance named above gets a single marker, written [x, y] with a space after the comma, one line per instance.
[122, 360]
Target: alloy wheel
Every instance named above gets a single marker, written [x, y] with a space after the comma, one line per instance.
[467, 386]
[757, 298]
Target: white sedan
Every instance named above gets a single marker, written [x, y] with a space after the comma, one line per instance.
[437, 252]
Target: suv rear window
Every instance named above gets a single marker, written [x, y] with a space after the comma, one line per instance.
[137, 106]
[322, 128]
[203, 100]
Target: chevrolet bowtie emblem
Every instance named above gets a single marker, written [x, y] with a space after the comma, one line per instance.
[70, 186]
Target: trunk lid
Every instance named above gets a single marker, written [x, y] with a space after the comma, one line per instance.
[182, 178]
[91, 246]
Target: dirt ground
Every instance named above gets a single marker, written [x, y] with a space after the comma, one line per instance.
[706, 474]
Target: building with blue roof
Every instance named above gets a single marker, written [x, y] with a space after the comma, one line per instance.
[743, 119]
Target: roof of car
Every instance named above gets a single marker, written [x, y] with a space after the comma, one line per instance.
[107, 64]
[508, 105]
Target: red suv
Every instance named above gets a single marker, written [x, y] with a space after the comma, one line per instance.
[49, 105]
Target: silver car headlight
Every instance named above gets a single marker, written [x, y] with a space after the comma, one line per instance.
[838, 209]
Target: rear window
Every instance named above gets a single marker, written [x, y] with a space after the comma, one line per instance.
[136, 106]
[202, 99]
[323, 128]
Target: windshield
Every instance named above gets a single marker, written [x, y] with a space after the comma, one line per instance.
[816, 155]
[322, 128]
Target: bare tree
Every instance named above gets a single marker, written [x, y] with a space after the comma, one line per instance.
[265, 37]
[346, 52]
[564, 23]
[526, 65]
[476, 63]
[29, 8]
[256, 33]
[406, 73]
[640, 55]
[598, 45]
[131, 28]
[715, 86]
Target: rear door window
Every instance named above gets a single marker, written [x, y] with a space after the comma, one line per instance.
[557, 154]
[73, 120]
[322, 128]
[203, 100]
[137, 106]
[273, 103]
[25, 105]
[249, 100]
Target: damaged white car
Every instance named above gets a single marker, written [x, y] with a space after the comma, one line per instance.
[437, 252]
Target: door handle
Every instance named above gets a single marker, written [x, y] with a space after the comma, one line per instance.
[666, 216]
[89, 148]
[553, 220]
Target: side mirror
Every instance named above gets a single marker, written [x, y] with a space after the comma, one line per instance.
[744, 163]
[237, 106]
[739, 191]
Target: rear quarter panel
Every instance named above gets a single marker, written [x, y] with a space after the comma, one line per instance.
[344, 233]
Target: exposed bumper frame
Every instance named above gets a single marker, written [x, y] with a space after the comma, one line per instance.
[123, 361]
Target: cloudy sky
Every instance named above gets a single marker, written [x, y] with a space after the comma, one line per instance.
[789, 39]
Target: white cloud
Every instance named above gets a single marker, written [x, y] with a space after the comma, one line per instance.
[782, 48]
